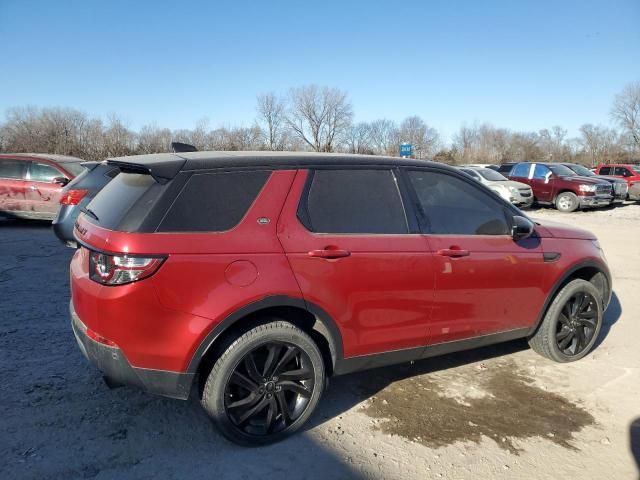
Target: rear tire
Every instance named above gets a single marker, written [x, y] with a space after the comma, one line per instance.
[572, 323]
[567, 202]
[265, 385]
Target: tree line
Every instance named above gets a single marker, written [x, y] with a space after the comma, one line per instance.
[321, 119]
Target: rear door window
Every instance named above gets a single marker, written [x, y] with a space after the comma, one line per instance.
[40, 172]
[453, 206]
[13, 169]
[213, 202]
[605, 170]
[353, 202]
[540, 172]
[622, 172]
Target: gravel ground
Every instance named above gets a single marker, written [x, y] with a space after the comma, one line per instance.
[498, 412]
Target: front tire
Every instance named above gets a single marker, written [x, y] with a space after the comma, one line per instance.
[572, 323]
[265, 385]
[567, 202]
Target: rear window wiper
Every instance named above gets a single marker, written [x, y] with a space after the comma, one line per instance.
[89, 212]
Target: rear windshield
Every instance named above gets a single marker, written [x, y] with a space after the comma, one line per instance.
[112, 206]
[74, 168]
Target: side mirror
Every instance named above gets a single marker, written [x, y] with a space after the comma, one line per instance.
[60, 180]
[522, 228]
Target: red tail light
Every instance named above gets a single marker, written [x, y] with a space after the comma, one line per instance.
[72, 197]
[121, 269]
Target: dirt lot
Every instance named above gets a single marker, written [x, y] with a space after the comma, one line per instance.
[499, 412]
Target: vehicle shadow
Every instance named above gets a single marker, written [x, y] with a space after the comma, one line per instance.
[634, 440]
[349, 390]
[611, 316]
[13, 222]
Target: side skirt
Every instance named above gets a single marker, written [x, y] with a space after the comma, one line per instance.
[376, 360]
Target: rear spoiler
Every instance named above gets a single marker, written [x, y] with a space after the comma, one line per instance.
[162, 170]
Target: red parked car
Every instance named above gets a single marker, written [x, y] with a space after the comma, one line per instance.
[31, 183]
[255, 276]
[557, 185]
[628, 172]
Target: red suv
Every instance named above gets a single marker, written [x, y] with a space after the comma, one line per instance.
[629, 173]
[558, 185]
[262, 274]
[31, 183]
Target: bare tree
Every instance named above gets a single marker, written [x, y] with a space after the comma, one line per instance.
[425, 140]
[358, 139]
[599, 142]
[319, 115]
[271, 116]
[626, 112]
[384, 136]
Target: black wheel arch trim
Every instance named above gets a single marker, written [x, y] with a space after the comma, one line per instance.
[325, 325]
[557, 286]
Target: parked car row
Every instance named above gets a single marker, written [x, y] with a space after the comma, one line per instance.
[569, 186]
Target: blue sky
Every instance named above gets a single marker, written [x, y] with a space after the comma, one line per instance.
[521, 65]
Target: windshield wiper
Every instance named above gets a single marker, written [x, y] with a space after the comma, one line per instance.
[89, 212]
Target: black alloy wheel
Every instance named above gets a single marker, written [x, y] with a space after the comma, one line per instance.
[577, 324]
[269, 389]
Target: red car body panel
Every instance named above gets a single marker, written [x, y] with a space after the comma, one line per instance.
[388, 293]
[631, 176]
[30, 197]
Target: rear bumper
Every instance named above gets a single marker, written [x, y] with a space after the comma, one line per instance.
[63, 224]
[112, 362]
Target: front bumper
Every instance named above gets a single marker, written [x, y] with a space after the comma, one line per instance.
[112, 362]
[595, 201]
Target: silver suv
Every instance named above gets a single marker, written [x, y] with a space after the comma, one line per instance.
[514, 192]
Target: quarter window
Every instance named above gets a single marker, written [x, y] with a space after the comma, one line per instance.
[353, 201]
[622, 172]
[453, 206]
[213, 202]
[13, 169]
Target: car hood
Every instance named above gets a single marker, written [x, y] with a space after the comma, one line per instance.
[609, 179]
[549, 229]
[508, 183]
[584, 180]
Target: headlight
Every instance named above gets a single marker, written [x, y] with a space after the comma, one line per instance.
[513, 190]
[502, 191]
[587, 188]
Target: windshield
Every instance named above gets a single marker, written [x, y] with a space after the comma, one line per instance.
[492, 175]
[562, 171]
[580, 170]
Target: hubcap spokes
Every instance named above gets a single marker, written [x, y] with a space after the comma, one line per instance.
[577, 324]
[269, 389]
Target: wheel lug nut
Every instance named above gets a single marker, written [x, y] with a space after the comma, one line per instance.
[275, 379]
[268, 395]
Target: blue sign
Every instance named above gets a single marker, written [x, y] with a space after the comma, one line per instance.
[406, 149]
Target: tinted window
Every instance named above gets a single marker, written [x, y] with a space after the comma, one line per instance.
[622, 172]
[115, 200]
[562, 171]
[453, 206]
[505, 169]
[471, 173]
[12, 169]
[213, 202]
[605, 171]
[39, 172]
[540, 172]
[521, 170]
[354, 201]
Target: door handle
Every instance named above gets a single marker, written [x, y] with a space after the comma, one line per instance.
[329, 253]
[454, 252]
